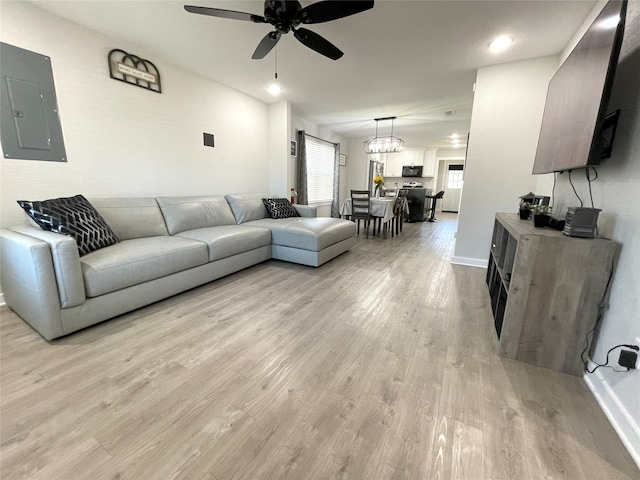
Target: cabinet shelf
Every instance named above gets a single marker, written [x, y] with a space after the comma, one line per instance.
[545, 288]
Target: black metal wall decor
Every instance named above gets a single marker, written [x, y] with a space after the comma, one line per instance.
[132, 69]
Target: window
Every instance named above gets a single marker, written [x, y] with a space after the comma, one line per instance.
[320, 169]
[454, 180]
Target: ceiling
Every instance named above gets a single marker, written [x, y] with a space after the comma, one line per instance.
[415, 60]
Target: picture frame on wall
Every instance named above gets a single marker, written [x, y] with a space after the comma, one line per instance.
[294, 148]
[343, 160]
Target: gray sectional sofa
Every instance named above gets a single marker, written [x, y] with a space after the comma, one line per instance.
[167, 245]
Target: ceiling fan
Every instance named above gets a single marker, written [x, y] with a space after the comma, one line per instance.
[286, 15]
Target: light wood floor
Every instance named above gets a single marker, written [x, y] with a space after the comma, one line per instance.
[381, 364]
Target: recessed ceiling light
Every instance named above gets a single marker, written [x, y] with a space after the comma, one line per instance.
[500, 43]
[274, 89]
[454, 135]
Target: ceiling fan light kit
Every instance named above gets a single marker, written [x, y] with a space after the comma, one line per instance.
[286, 16]
[388, 144]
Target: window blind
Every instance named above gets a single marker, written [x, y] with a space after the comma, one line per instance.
[320, 169]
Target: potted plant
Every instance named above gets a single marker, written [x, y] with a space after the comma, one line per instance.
[541, 215]
[525, 210]
[379, 181]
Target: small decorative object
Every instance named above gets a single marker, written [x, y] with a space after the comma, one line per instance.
[293, 148]
[534, 199]
[525, 210]
[541, 215]
[379, 181]
[134, 70]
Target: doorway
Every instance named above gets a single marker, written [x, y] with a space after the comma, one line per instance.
[452, 186]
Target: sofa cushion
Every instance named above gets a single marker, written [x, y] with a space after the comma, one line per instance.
[190, 213]
[132, 217]
[229, 240]
[72, 216]
[247, 207]
[280, 208]
[313, 234]
[139, 260]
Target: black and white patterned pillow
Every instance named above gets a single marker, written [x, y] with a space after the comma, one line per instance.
[280, 208]
[73, 216]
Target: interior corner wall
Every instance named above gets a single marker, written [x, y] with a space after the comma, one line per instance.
[615, 192]
[122, 140]
[358, 165]
[505, 123]
[279, 149]
[300, 123]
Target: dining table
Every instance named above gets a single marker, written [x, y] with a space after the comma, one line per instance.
[380, 208]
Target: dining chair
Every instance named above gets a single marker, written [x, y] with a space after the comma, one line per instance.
[361, 208]
[399, 210]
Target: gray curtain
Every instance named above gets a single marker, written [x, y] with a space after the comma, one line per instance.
[301, 169]
[335, 207]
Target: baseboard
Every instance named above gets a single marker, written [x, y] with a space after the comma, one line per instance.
[622, 422]
[470, 262]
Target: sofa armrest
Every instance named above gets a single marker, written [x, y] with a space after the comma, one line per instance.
[29, 283]
[66, 264]
[306, 210]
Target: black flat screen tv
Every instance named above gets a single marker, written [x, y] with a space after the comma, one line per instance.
[574, 115]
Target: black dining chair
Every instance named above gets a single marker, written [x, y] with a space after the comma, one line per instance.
[399, 209]
[361, 208]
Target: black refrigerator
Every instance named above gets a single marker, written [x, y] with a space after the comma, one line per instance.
[415, 199]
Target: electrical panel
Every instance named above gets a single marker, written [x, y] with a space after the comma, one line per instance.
[29, 118]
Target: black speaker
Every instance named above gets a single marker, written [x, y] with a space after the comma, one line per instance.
[556, 223]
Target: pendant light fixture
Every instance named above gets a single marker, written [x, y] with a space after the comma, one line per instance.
[388, 144]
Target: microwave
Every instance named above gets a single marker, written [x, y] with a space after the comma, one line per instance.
[411, 171]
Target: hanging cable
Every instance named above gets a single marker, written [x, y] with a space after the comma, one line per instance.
[275, 57]
[606, 363]
[586, 170]
[599, 316]
[589, 180]
[574, 190]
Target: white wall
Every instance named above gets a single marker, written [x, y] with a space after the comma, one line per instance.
[126, 141]
[279, 149]
[358, 165]
[507, 113]
[497, 162]
[616, 193]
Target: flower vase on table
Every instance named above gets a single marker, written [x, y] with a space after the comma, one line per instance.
[379, 181]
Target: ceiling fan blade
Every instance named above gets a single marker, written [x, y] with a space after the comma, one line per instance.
[328, 10]
[218, 12]
[266, 44]
[317, 43]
